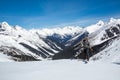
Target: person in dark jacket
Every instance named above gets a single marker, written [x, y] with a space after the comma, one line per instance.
[87, 49]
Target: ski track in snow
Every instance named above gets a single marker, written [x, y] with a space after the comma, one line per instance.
[59, 70]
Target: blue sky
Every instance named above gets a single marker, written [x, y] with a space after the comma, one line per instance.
[52, 13]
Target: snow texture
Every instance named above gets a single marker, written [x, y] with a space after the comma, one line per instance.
[5, 58]
[59, 70]
[111, 53]
[95, 27]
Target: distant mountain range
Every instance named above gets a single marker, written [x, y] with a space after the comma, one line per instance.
[18, 44]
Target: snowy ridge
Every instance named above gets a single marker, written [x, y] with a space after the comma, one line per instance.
[77, 38]
[45, 43]
[35, 43]
[68, 30]
[109, 31]
[59, 35]
[21, 45]
[106, 32]
[95, 27]
[100, 40]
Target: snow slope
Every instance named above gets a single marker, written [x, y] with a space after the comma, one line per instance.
[44, 43]
[5, 58]
[104, 41]
[39, 44]
[95, 27]
[110, 31]
[111, 53]
[106, 32]
[105, 65]
[59, 70]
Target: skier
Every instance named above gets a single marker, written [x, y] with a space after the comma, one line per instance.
[87, 49]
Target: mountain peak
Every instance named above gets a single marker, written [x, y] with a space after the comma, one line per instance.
[5, 25]
[17, 27]
[100, 23]
[95, 27]
[112, 19]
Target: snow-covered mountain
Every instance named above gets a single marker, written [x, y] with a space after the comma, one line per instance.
[106, 32]
[110, 34]
[19, 44]
[32, 44]
[95, 27]
[103, 38]
[111, 53]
